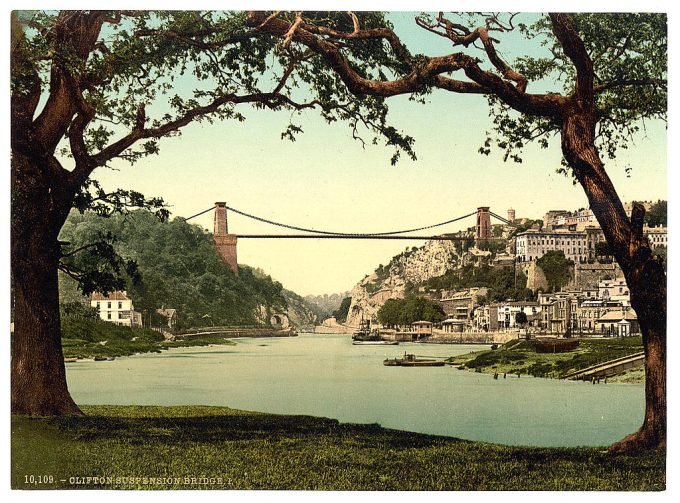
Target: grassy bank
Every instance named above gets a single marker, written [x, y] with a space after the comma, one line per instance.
[520, 357]
[83, 338]
[222, 448]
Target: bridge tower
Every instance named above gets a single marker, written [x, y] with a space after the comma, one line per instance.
[225, 242]
[483, 225]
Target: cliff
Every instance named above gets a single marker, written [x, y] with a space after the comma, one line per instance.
[393, 280]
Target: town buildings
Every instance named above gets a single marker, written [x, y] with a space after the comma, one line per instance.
[460, 306]
[532, 245]
[578, 246]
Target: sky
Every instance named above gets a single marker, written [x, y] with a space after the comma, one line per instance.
[329, 181]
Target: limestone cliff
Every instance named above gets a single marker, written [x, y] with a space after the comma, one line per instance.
[390, 282]
[301, 313]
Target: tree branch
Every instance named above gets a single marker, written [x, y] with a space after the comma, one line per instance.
[575, 50]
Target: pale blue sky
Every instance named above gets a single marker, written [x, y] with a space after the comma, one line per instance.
[327, 180]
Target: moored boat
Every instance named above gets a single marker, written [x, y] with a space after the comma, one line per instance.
[375, 343]
[412, 361]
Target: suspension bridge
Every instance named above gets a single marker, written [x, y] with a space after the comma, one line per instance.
[226, 242]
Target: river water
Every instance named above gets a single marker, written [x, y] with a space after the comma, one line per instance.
[325, 375]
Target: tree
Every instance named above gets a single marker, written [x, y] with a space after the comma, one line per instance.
[521, 318]
[610, 71]
[556, 268]
[657, 214]
[90, 87]
[406, 311]
[340, 314]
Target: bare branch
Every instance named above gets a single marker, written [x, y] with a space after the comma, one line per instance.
[288, 38]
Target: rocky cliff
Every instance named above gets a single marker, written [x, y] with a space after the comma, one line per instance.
[301, 313]
[404, 270]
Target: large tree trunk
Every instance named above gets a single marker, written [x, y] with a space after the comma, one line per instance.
[38, 380]
[644, 275]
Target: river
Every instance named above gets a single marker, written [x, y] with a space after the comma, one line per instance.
[325, 375]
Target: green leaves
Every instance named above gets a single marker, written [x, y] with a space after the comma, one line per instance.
[171, 264]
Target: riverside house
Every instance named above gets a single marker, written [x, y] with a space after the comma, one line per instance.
[117, 308]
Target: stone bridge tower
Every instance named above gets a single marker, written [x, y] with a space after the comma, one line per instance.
[225, 242]
[483, 225]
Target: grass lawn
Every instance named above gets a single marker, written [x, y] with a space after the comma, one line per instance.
[519, 357]
[221, 448]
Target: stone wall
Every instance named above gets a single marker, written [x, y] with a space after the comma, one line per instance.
[535, 277]
[589, 275]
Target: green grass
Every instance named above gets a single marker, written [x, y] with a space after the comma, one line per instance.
[83, 338]
[519, 357]
[245, 450]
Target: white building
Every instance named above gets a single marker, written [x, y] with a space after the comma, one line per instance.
[657, 236]
[614, 289]
[508, 311]
[116, 307]
[532, 245]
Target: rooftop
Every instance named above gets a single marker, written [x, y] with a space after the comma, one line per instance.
[110, 296]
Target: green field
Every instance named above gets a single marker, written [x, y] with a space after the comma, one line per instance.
[132, 447]
[520, 357]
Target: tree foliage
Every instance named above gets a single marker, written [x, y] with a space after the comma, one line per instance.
[408, 310]
[503, 283]
[556, 267]
[657, 214]
[340, 314]
[177, 267]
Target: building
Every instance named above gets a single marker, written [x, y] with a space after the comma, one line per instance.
[451, 326]
[618, 323]
[511, 215]
[551, 217]
[532, 245]
[614, 289]
[590, 311]
[170, 315]
[507, 313]
[460, 306]
[117, 308]
[657, 236]
[486, 318]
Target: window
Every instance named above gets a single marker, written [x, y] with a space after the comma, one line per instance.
[108, 305]
[108, 314]
[97, 306]
[120, 305]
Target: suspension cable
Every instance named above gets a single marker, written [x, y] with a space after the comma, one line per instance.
[333, 233]
[199, 214]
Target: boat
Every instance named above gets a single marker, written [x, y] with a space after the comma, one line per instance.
[363, 333]
[70, 360]
[366, 336]
[413, 361]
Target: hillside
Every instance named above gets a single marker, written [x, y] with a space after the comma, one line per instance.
[180, 269]
[409, 268]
